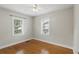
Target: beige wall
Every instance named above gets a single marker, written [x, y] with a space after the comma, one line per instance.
[6, 36]
[61, 27]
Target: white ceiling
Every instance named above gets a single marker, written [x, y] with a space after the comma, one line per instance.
[27, 8]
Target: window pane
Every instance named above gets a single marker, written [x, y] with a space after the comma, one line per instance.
[17, 26]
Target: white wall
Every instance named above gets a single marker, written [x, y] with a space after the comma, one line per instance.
[6, 36]
[61, 27]
[76, 28]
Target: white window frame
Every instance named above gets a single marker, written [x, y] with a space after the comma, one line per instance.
[13, 29]
[44, 27]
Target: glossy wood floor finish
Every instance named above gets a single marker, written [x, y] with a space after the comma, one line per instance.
[35, 47]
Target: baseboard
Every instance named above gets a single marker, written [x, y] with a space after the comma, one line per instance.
[75, 52]
[1, 47]
[54, 43]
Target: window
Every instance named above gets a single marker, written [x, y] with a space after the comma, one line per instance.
[45, 26]
[17, 26]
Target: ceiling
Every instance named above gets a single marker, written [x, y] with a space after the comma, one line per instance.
[27, 8]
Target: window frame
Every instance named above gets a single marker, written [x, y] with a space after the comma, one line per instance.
[13, 29]
[43, 21]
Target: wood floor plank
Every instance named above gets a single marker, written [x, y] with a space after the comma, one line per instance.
[35, 47]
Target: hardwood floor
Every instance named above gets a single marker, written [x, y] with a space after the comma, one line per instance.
[35, 47]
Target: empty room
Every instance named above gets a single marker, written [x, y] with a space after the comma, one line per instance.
[39, 29]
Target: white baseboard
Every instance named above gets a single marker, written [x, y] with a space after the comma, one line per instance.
[75, 52]
[1, 47]
[54, 43]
